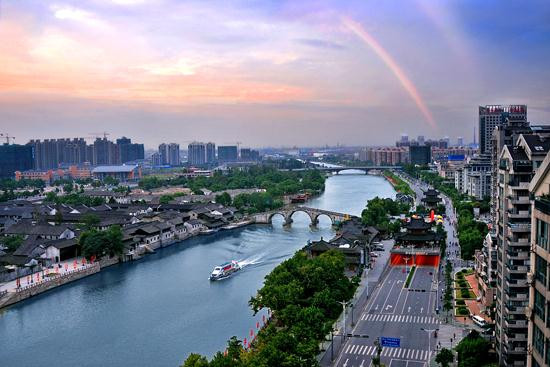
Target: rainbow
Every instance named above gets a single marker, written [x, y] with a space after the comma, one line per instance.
[360, 32]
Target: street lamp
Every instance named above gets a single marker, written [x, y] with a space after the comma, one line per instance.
[344, 304]
[429, 331]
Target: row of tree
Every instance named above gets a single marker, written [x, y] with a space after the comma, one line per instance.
[276, 183]
[303, 295]
[379, 211]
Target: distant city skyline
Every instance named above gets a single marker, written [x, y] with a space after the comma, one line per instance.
[267, 73]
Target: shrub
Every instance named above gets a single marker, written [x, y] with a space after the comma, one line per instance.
[464, 293]
[460, 302]
[462, 311]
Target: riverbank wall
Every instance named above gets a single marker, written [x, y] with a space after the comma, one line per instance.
[23, 293]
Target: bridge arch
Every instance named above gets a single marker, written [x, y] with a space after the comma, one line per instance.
[363, 170]
[270, 218]
[315, 218]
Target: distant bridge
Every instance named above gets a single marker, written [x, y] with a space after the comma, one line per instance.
[339, 169]
[314, 214]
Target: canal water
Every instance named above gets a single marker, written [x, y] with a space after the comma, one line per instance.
[158, 310]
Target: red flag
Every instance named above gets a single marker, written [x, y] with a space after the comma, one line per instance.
[257, 325]
[244, 342]
[251, 332]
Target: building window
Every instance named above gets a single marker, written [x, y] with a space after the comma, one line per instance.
[539, 305]
[542, 234]
[540, 269]
[548, 352]
[538, 340]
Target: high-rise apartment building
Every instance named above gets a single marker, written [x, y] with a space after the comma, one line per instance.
[228, 153]
[163, 152]
[491, 116]
[14, 157]
[105, 152]
[538, 312]
[210, 152]
[420, 155]
[516, 166]
[174, 154]
[196, 153]
[249, 155]
[130, 152]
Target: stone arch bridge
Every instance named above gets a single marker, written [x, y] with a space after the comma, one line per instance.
[313, 213]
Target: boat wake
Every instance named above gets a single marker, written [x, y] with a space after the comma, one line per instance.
[255, 260]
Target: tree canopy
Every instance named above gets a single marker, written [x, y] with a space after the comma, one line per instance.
[303, 295]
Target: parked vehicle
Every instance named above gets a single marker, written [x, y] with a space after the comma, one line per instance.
[479, 321]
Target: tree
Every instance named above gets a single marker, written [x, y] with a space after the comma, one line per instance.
[473, 351]
[96, 243]
[444, 357]
[12, 242]
[195, 360]
[110, 181]
[90, 221]
[224, 199]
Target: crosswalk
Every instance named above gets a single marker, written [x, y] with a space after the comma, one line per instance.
[395, 353]
[400, 318]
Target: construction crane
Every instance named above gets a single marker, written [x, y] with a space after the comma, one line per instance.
[99, 135]
[7, 137]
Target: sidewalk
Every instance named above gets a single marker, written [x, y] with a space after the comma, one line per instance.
[42, 275]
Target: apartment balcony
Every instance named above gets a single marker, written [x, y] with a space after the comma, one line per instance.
[518, 214]
[516, 338]
[518, 241]
[515, 323]
[516, 282]
[519, 227]
[517, 255]
[518, 269]
[518, 199]
[517, 297]
[514, 185]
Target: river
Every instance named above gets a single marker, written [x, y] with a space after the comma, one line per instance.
[158, 310]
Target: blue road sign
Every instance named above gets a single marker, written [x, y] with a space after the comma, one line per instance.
[391, 342]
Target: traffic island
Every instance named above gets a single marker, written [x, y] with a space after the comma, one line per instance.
[409, 277]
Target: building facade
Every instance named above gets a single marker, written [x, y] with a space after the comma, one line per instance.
[538, 312]
[228, 153]
[491, 116]
[196, 154]
[517, 165]
[420, 155]
[14, 157]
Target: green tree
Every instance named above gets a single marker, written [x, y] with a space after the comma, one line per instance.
[110, 181]
[473, 350]
[444, 357]
[195, 360]
[90, 221]
[224, 199]
[12, 243]
[99, 244]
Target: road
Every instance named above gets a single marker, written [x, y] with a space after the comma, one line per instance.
[397, 312]
[405, 313]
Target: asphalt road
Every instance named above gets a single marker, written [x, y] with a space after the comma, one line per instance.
[397, 312]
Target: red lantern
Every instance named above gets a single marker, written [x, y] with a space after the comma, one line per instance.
[251, 332]
[257, 325]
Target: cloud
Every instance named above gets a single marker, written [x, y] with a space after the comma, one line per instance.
[318, 43]
[78, 15]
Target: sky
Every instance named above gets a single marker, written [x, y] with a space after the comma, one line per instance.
[268, 73]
